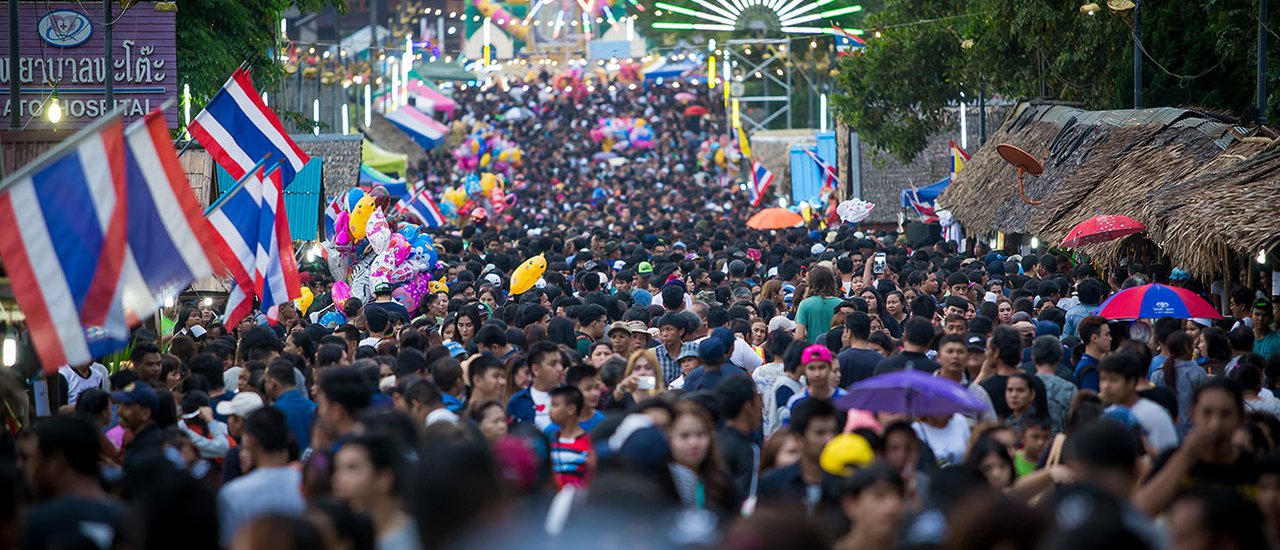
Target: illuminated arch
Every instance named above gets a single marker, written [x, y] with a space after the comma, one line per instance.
[785, 16]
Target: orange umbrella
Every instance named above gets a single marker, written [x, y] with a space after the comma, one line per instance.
[774, 218]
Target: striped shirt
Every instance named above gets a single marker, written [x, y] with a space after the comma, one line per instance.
[571, 460]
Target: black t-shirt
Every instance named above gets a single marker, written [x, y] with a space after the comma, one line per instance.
[739, 456]
[857, 365]
[62, 521]
[393, 309]
[1240, 476]
[995, 388]
[918, 361]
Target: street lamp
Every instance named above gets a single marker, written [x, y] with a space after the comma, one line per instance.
[55, 110]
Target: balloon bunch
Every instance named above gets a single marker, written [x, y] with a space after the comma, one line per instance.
[618, 134]
[478, 198]
[717, 154]
[490, 152]
[382, 249]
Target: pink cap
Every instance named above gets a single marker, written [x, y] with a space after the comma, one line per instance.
[815, 353]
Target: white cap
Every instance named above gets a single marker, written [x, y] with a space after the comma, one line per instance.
[781, 322]
[241, 405]
[817, 249]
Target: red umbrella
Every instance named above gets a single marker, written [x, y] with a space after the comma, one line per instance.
[695, 110]
[1100, 229]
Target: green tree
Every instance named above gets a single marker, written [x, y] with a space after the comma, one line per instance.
[215, 36]
[1197, 54]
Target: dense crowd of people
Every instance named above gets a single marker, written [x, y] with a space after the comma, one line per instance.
[673, 380]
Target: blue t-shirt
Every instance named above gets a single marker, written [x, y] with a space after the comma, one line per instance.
[1087, 372]
[586, 425]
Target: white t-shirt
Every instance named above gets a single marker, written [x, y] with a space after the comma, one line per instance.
[541, 408]
[77, 384]
[948, 442]
[1264, 404]
[1156, 423]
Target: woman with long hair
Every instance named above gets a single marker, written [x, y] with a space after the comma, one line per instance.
[469, 321]
[1179, 373]
[695, 464]
[813, 317]
[642, 366]
[1004, 310]
[771, 291]
[876, 308]
[518, 375]
[895, 304]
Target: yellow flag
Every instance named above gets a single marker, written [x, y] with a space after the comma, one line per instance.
[742, 142]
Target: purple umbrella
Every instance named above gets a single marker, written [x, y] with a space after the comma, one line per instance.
[909, 392]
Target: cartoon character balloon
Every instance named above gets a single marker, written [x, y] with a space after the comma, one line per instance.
[304, 301]
[360, 216]
[524, 277]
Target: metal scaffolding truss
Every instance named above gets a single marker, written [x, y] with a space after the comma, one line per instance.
[774, 98]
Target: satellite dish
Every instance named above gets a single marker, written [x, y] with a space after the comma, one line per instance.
[1024, 162]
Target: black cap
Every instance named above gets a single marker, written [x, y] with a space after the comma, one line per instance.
[975, 342]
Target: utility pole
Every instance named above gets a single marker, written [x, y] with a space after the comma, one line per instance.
[15, 88]
[1137, 54]
[982, 113]
[1262, 61]
[108, 55]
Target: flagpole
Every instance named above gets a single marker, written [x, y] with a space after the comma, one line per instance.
[239, 184]
[60, 149]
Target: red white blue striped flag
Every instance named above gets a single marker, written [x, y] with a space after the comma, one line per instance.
[424, 209]
[101, 225]
[238, 130]
[761, 178]
[829, 176]
[252, 237]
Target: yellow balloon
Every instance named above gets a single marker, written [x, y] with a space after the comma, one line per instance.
[456, 196]
[360, 217]
[806, 213]
[505, 155]
[487, 181]
[523, 278]
[304, 302]
[640, 122]
[484, 161]
[475, 146]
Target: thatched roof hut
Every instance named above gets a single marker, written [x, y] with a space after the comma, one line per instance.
[1201, 185]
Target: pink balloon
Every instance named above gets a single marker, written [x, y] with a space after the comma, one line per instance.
[340, 292]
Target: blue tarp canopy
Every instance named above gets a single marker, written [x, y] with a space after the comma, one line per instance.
[925, 194]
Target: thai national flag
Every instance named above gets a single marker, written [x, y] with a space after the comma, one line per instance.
[99, 226]
[425, 209]
[424, 130]
[331, 213]
[829, 177]
[252, 237]
[761, 178]
[238, 130]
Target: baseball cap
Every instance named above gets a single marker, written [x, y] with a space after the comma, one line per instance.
[644, 268]
[455, 349]
[686, 352]
[975, 342]
[781, 322]
[711, 350]
[137, 393]
[815, 352]
[241, 405]
[1263, 304]
[845, 451]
